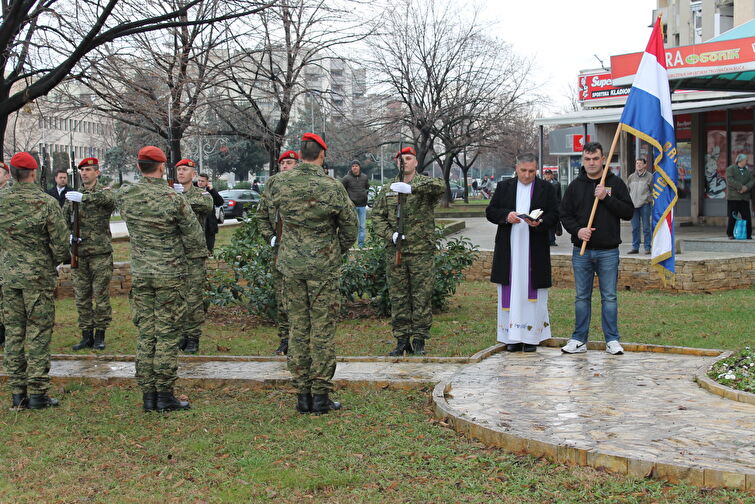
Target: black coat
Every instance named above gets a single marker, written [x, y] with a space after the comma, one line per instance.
[61, 198]
[504, 202]
[211, 222]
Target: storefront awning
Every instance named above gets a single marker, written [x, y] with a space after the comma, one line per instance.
[724, 63]
[612, 115]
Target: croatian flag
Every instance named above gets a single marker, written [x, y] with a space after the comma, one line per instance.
[647, 114]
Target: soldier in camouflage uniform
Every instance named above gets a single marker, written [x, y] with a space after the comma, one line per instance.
[34, 241]
[196, 275]
[91, 279]
[163, 233]
[4, 186]
[319, 225]
[410, 284]
[286, 161]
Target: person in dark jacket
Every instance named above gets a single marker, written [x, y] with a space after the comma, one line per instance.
[549, 176]
[357, 184]
[522, 261]
[602, 253]
[211, 221]
[59, 190]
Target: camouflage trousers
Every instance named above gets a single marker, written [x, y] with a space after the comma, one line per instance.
[193, 295]
[2, 317]
[29, 315]
[91, 286]
[157, 309]
[410, 287]
[313, 307]
[281, 315]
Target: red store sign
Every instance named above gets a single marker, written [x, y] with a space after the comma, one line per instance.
[599, 86]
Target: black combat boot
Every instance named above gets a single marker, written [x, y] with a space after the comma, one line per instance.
[150, 401]
[41, 401]
[402, 345]
[2, 335]
[20, 401]
[418, 345]
[166, 401]
[99, 339]
[87, 340]
[304, 403]
[283, 347]
[322, 404]
[192, 346]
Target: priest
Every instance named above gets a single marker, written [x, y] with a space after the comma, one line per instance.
[521, 261]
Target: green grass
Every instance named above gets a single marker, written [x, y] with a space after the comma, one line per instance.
[240, 445]
[719, 320]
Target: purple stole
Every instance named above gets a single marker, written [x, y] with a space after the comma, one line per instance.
[506, 289]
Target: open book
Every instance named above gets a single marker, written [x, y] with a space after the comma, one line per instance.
[533, 215]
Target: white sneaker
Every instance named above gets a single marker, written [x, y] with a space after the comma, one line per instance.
[574, 346]
[614, 348]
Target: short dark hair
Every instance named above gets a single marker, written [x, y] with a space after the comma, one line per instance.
[61, 171]
[527, 157]
[593, 147]
[204, 175]
[645, 161]
[310, 150]
[20, 175]
[147, 165]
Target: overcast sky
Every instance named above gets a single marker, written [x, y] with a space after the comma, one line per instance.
[563, 35]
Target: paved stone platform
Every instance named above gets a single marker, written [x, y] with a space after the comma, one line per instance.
[265, 372]
[639, 413]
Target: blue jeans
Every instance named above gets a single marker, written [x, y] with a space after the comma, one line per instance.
[606, 264]
[641, 217]
[362, 215]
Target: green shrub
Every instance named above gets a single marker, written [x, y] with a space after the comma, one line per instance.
[362, 275]
[243, 185]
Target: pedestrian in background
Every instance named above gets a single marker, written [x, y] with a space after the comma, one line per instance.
[357, 185]
[739, 183]
[640, 184]
[211, 221]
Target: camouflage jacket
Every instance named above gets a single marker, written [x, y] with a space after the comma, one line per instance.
[33, 237]
[162, 228]
[419, 220]
[319, 221]
[94, 221]
[200, 202]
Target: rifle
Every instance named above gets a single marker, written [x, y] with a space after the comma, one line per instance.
[43, 166]
[172, 179]
[76, 235]
[400, 207]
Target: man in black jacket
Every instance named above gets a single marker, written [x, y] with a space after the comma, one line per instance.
[603, 239]
[211, 221]
[61, 187]
[357, 184]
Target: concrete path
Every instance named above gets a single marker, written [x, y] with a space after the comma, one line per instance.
[639, 414]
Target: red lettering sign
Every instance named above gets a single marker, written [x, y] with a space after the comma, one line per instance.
[599, 86]
[577, 143]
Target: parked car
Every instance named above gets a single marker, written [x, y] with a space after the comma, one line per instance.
[236, 202]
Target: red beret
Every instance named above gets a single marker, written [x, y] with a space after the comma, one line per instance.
[289, 154]
[4, 166]
[24, 161]
[90, 161]
[151, 153]
[314, 138]
[187, 162]
[406, 150]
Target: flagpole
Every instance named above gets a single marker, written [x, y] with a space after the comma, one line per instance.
[602, 181]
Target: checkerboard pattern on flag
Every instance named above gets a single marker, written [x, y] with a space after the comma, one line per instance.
[647, 115]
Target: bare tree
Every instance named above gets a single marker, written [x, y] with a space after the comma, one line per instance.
[42, 41]
[457, 86]
[274, 65]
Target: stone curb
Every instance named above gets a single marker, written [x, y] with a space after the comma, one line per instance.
[712, 386]
[570, 455]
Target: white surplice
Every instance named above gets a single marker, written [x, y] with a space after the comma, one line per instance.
[527, 320]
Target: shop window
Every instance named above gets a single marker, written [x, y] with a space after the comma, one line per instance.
[715, 164]
[741, 114]
[715, 116]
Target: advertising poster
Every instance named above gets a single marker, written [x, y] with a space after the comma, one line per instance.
[715, 164]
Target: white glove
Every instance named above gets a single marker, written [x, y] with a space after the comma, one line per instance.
[179, 188]
[401, 187]
[395, 236]
[273, 241]
[74, 196]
